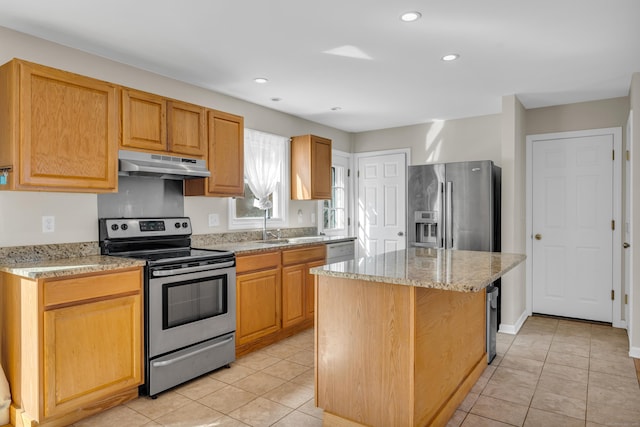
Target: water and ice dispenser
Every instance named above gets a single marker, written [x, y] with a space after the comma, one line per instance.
[426, 223]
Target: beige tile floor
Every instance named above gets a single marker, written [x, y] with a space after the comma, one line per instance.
[553, 373]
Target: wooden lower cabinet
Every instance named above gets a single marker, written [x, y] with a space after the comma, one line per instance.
[293, 294]
[72, 346]
[90, 352]
[298, 284]
[310, 287]
[258, 304]
[274, 295]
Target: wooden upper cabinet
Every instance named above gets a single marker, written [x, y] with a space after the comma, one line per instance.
[153, 123]
[144, 120]
[310, 168]
[225, 158]
[186, 128]
[58, 131]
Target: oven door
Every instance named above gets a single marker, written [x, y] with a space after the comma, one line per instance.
[186, 309]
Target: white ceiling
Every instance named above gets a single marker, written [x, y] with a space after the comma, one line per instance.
[548, 52]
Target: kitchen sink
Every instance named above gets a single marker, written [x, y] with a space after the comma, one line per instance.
[306, 239]
[273, 241]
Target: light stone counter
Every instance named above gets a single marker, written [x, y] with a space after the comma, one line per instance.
[45, 269]
[463, 271]
[256, 246]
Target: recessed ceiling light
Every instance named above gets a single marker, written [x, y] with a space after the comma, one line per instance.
[260, 80]
[410, 16]
[451, 57]
[336, 108]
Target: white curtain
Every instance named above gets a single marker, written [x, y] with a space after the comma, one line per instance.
[263, 157]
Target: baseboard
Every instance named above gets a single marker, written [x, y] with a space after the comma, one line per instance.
[634, 352]
[506, 328]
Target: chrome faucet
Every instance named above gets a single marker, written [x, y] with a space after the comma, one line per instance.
[265, 233]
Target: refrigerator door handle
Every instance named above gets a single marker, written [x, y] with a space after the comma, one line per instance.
[440, 233]
[449, 218]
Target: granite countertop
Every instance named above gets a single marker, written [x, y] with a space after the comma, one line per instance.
[45, 269]
[243, 248]
[454, 270]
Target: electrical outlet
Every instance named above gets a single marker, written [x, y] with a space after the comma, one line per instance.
[48, 224]
[214, 220]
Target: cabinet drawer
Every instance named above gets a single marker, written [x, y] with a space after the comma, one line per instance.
[80, 288]
[246, 263]
[298, 256]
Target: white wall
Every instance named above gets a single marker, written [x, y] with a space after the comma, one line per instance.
[513, 211]
[474, 138]
[76, 215]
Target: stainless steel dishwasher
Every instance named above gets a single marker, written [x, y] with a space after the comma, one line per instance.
[340, 251]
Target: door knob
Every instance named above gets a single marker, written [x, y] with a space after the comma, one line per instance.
[538, 236]
[626, 245]
[400, 233]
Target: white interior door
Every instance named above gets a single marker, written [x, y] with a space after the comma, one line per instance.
[381, 203]
[572, 213]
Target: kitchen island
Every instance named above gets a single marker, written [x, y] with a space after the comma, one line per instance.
[400, 337]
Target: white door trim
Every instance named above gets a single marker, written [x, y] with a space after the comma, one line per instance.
[356, 190]
[617, 214]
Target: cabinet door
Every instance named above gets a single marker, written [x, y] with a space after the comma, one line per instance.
[68, 131]
[144, 121]
[258, 302]
[293, 294]
[310, 168]
[186, 129]
[320, 168]
[91, 351]
[310, 288]
[225, 158]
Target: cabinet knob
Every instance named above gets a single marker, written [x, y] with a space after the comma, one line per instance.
[400, 233]
[538, 236]
[626, 245]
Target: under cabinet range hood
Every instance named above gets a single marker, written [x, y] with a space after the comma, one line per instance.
[135, 163]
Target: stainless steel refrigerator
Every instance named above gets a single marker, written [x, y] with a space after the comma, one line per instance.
[454, 206]
[457, 206]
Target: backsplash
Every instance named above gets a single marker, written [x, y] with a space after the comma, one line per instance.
[33, 253]
[140, 197]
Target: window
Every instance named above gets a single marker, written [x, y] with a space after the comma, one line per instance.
[243, 212]
[334, 213]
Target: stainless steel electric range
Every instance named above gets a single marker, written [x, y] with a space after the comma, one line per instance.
[189, 303]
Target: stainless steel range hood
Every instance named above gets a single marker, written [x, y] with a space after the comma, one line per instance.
[135, 163]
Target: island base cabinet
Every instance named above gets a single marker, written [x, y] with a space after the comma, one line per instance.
[395, 355]
[83, 366]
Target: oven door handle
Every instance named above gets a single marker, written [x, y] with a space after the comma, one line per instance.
[173, 272]
[186, 356]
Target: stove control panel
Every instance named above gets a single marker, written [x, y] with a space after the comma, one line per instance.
[124, 228]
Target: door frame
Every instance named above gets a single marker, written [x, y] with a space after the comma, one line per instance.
[616, 279]
[628, 278]
[356, 185]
